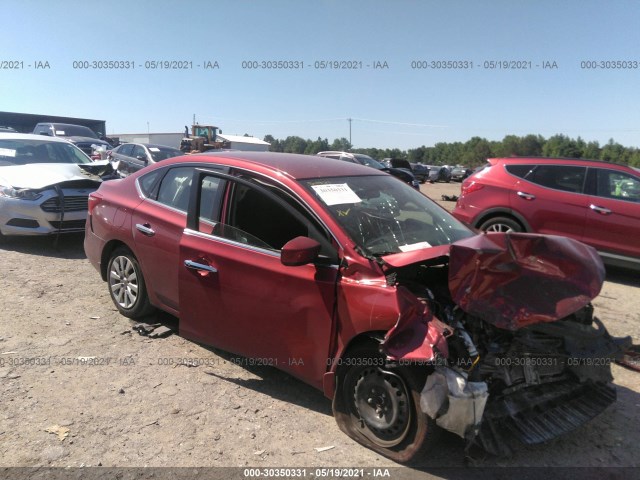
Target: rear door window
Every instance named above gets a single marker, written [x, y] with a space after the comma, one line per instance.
[138, 151]
[566, 178]
[125, 149]
[42, 130]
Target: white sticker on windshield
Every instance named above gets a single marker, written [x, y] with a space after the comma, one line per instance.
[7, 152]
[414, 246]
[60, 132]
[154, 149]
[336, 194]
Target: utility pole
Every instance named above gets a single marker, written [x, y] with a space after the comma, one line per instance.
[349, 119]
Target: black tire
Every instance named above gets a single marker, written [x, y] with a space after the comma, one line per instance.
[380, 407]
[501, 224]
[126, 283]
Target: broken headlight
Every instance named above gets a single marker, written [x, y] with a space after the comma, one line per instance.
[19, 193]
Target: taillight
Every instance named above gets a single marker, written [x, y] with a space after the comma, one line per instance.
[94, 201]
[471, 187]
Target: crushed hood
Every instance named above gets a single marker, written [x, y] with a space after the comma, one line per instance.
[40, 175]
[516, 279]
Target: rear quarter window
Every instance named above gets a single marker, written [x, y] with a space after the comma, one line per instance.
[147, 182]
[519, 170]
[175, 187]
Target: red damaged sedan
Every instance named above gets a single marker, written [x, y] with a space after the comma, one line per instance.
[364, 288]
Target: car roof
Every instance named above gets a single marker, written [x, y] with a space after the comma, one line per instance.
[62, 123]
[30, 136]
[553, 160]
[564, 160]
[295, 165]
[148, 145]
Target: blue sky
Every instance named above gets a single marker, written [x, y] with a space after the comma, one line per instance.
[398, 107]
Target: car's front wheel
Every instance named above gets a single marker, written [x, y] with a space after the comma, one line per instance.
[501, 225]
[380, 408]
[126, 284]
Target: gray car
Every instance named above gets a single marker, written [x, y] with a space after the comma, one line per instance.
[44, 185]
[82, 137]
[131, 157]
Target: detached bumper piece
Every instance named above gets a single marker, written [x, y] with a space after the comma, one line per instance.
[539, 414]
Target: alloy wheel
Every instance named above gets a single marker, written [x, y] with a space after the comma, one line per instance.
[123, 281]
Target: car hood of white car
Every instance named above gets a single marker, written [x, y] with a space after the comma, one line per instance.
[40, 175]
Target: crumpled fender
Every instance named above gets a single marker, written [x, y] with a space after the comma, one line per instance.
[418, 334]
[511, 280]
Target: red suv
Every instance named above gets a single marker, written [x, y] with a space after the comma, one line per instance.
[595, 202]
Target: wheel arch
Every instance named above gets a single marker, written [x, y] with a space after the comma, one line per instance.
[421, 431]
[108, 249]
[502, 212]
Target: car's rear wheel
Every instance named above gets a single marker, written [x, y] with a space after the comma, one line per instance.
[501, 225]
[126, 284]
[381, 407]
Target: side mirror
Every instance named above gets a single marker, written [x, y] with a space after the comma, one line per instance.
[143, 158]
[299, 251]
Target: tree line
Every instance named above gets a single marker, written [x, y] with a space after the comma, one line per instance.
[475, 151]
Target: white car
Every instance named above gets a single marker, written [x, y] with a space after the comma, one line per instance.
[44, 185]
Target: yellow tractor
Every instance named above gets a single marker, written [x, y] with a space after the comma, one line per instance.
[202, 138]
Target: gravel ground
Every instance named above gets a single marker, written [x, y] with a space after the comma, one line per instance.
[80, 389]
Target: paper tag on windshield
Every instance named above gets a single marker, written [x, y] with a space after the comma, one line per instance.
[6, 152]
[336, 194]
[414, 246]
[60, 132]
[154, 149]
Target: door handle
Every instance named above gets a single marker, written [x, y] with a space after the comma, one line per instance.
[146, 229]
[526, 196]
[191, 265]
[600, 210]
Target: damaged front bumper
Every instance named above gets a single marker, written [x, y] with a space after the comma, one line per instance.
[455, 403]
[531, 415]
[540, 413]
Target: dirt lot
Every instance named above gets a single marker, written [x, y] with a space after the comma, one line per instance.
[70, 365]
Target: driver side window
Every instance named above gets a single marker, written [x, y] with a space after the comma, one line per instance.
[258, 220]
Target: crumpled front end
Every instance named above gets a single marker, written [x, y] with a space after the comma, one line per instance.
[518, 279]
[512, 348]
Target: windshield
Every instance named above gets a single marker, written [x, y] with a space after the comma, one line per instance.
[162, 153]
[23, 152]
[63, 130]
[384, 216]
